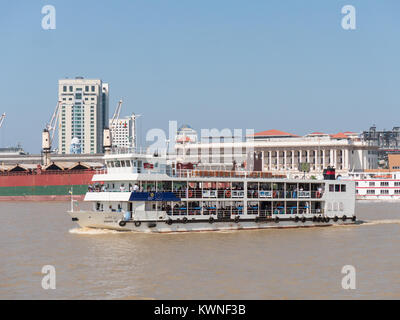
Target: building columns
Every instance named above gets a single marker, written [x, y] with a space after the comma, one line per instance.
[270, 160]
[285, 160]
[335, 158]
[277, 160]
[293, 168]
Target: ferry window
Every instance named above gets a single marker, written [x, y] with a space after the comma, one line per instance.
[385, 191]
[384, 184]
[337, 187]
[370, 191]
[372, 184]
[122, 163]
[331, 188]
[356, 184]
[117, 164]
[343, 188]
[397, 191]
[397, 184]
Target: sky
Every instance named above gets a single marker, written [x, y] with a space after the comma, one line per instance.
[257, 64]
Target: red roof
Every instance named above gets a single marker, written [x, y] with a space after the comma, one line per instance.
[274, 133]
[349, 132]
[339, 135]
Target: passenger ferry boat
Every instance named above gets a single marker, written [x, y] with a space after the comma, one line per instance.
[150, 194]
[378, 185]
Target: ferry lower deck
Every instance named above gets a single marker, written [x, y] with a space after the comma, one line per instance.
[119, 221]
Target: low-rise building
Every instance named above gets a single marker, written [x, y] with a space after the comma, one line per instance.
[284, 153]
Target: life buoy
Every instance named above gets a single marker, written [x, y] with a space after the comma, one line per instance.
[169, 221]
[354, 218]
[344, 218]
[185, 220]
[314, 218]
[211, 220]
[276, 219]
[137, 223]
[190, 193]
[237, 218]
[335, 218]
[296, 219]
[228, 193]
[327, 219]
[122, 223]
[256, 219]
[303, 219]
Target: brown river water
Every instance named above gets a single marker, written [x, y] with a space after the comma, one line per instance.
[262, 264]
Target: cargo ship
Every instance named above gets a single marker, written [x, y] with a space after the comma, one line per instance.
[55, 182]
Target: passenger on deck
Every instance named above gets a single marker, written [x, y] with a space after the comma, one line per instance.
[135, 188]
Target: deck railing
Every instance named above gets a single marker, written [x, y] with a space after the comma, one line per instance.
[225, 213]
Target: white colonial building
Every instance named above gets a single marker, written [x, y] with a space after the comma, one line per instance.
[283, 152]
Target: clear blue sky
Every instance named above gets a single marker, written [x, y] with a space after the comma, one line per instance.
[258, 64]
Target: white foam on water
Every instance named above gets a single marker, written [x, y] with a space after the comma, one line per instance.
[384, 221]
[92, 231]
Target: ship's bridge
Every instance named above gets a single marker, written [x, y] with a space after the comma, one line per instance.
[134, 163]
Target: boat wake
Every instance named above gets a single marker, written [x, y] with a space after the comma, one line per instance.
[92, 231]
[384, 221]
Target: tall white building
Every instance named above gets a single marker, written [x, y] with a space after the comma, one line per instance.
[123, 132]
[83, 114]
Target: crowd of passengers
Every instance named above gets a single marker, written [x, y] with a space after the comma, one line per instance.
[252, 191]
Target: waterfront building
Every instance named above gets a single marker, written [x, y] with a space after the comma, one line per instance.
[83, 114]
[285, 153]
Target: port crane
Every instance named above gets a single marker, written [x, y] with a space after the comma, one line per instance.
[107, 136]
[49, 133]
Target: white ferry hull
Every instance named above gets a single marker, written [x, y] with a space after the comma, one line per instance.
[89, 219]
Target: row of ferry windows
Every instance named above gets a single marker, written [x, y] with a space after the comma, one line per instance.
[383, 191]
[126, 163]
[382, 184]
